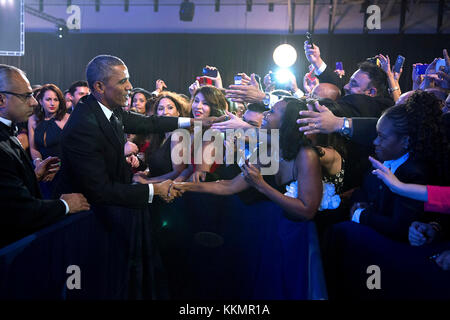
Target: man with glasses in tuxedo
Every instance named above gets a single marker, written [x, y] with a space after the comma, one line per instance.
[23, 210]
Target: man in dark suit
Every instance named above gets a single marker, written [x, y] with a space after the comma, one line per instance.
[93, 159]
[23, 210]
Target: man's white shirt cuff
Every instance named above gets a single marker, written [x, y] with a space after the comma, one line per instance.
[321, 69]
[299, 93]
[184, 122]
[66, 205]
[357, 214]
[150, 193]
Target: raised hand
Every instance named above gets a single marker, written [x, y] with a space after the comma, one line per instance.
[246, 92]
[313, 54]
[193, 87]
[323, 121]
[160, 85]
[216, 80]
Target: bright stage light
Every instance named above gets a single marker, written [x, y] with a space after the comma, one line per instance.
[283, 75]
[285, 55]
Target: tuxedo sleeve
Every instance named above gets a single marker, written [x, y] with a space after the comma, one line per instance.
[87, 159]
[21, 211]
[405, 211]
[329, 76]
[139, 124]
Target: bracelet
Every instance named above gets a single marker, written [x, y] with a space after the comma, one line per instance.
[393, 89]
[34, 161]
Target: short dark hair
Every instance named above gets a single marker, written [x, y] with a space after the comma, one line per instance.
[39, 111]
[80, 83]
[98, 69]
[377, 76]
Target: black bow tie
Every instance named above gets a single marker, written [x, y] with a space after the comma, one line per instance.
[12, 129]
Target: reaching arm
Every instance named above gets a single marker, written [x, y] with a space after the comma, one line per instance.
[220, 187]
[35, 154]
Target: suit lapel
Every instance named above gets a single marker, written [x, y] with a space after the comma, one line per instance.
[10, 145]
[104, 123]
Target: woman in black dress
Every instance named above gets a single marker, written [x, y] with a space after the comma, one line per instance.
[158, 154]
[45, 128]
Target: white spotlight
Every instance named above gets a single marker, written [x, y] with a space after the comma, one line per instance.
[3, 3]
[285, 55]
[283, 75]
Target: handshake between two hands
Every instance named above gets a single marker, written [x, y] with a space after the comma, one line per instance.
[168, 190]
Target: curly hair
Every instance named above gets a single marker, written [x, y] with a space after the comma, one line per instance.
[40, 93]
[183, 107]
[420, 118]
[291, 139]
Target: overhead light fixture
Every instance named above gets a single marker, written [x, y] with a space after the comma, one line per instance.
[155, 5]
[187, 10]
[217, 6]
[271, 6]
[97, 5]
[127, 5]
[249, 5]
[62, 31]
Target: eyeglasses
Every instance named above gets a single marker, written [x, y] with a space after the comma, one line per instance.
[23, 96]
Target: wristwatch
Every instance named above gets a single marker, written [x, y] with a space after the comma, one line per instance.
[266, 100]
[345, 130]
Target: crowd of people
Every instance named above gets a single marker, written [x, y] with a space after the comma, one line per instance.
[367, 161]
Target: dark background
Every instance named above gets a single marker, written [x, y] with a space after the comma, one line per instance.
[178, 58]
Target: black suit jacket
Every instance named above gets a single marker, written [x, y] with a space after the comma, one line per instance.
[389, 213]
[329, 76]
[93, 161]
[22, 209]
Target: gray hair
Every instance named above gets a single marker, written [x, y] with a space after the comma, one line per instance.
[6, 73]
[99, 68]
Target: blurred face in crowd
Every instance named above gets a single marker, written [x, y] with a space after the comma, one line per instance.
[17, 108]
[50, 103]
[167, 108]
[360, 84]
[68, 99]
[272, 118]
[79, 93]
[388, 145]
[116, 89]
[200, 107]
[252, 117]
[139, 101]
